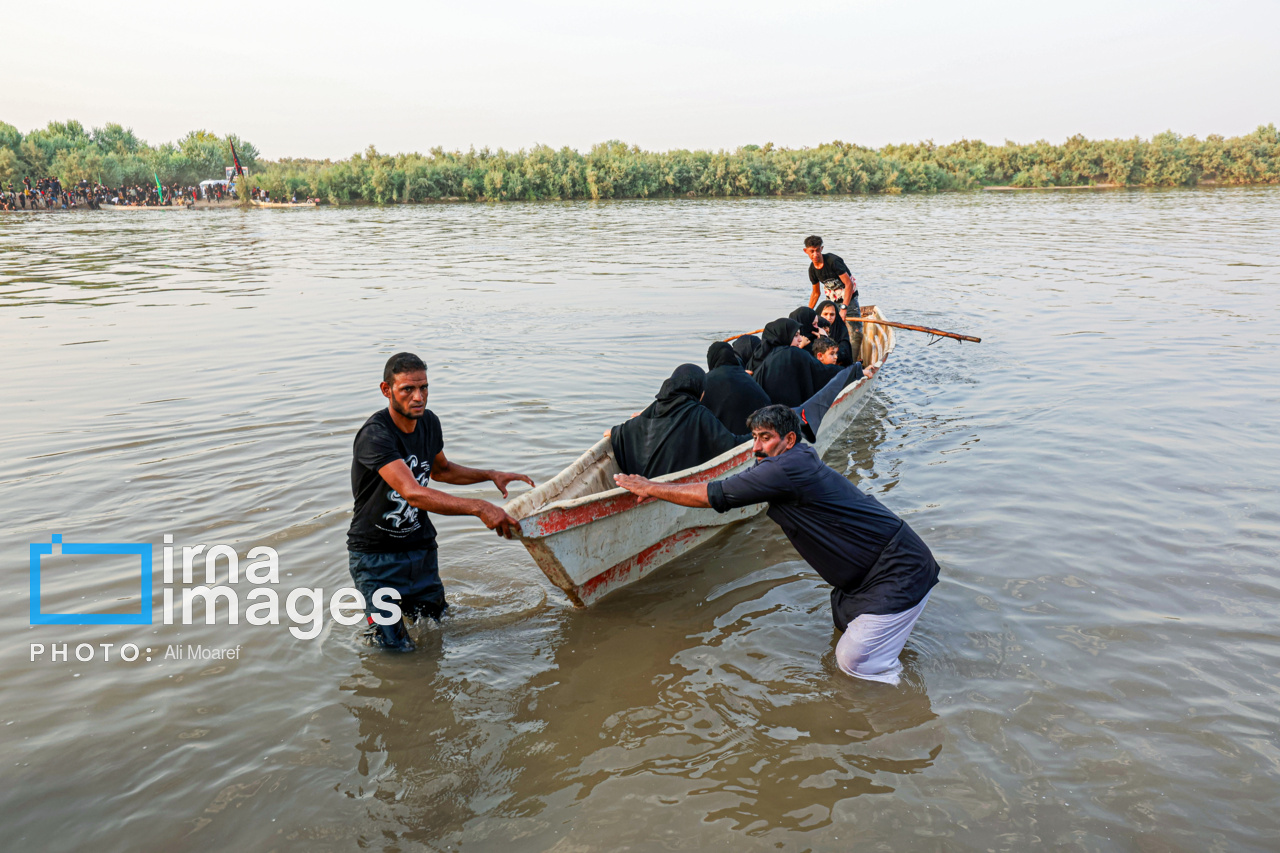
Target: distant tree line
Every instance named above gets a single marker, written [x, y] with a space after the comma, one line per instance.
[114, 155]
[617, 170]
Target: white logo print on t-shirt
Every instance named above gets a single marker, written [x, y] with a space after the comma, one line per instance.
[404, 515]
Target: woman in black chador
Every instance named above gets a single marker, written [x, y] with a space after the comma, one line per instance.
[675, 432]
[750, 351]
[730, 393]
[808, 320]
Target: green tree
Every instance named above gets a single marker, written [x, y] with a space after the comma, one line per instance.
[115, 139]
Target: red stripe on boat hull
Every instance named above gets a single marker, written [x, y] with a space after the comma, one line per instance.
[634, 568]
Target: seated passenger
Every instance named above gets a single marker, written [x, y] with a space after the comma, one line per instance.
[837, 330]
[778, 335]
[828, 353]
[730, 393]
[675, 432]
[789, 375]
[825, 350]
[828, 311]
[750, 351]
[808, 320]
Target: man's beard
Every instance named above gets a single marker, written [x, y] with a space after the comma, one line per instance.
[405, 414]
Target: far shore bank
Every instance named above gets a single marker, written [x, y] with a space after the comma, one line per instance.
[114, 157]
[361, 203]
[1069, 187]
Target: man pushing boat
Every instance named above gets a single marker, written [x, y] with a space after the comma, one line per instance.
[391, 541]
[880, 571]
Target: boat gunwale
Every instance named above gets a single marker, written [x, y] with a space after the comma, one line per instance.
[699, 473]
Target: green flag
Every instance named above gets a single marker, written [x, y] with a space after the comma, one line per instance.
[159, 188]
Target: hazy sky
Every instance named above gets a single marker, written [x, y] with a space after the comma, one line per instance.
[325, 79]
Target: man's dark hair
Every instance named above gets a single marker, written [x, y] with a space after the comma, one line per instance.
[821, 345]
[780, 419]
[401, 362]
[814, 242]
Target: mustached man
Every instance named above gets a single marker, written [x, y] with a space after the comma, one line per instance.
[880, 571]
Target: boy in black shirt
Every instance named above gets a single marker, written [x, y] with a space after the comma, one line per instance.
[828, 273]
[391, 541]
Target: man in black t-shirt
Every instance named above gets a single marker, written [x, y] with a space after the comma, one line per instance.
[880, 571]
[391, 541]
[829, 275]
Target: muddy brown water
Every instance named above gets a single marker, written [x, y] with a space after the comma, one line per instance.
[1097, 671]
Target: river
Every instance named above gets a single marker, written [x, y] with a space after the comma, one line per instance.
[1098, 669]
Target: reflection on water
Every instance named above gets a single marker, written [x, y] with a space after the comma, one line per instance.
[730, 708]
[1096, 671]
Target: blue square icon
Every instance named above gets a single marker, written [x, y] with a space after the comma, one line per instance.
[141, 549]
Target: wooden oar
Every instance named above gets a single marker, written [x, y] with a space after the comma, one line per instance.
[956, 335]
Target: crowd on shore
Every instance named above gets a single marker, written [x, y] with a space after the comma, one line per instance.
[51, 194]
[264, 196]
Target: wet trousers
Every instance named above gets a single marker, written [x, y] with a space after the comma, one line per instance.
[870, 646]
[414, 574]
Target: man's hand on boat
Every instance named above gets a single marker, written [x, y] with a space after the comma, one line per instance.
[496, 519]
[419, 496]
[686, 494]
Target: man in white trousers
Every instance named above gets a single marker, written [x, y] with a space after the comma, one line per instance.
[880, 571]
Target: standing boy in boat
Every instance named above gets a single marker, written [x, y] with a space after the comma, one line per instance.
[829, 274]
[391, 541]
[880, 571]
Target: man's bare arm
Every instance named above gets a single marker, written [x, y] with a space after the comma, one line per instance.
[848, 287]
[460, 475]
[398, 476]
[687, 494]
[813, 297]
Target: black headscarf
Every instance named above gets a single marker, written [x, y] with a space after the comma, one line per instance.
[750, 349]
[675, 432]
[721, 354]
[731, 394]
[778, 335]
[808, 320]
[805, 316]
[839, 331]
[687, 381]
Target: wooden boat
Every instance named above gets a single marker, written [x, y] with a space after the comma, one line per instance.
[283, 204]
[156, 207]
[591, 538]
